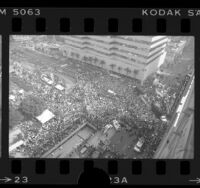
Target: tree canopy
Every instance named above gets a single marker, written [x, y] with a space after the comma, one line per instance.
[32, 106]
[15, 117]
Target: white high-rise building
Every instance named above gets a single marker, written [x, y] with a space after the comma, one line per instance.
[134, 56]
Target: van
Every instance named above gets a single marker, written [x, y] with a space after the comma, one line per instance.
[139, 144]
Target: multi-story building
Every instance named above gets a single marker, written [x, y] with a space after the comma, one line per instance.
[174, 50]
[134, 56]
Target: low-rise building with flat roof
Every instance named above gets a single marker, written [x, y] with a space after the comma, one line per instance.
[45, 116]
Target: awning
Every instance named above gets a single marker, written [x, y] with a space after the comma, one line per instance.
[16, 145]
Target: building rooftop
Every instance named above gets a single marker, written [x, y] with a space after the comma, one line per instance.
[45, 116]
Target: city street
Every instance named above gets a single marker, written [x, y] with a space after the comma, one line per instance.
[175, 141]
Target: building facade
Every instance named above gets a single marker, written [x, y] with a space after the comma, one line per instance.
[134, 56]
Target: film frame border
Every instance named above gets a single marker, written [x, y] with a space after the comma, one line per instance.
[114, 24]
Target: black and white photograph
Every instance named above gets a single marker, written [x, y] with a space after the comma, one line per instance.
[90, 96]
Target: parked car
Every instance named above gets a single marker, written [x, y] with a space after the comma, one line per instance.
[139, 144]
[116, 124]
[164, 118]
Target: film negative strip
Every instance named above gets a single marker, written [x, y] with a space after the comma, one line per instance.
[99, 94]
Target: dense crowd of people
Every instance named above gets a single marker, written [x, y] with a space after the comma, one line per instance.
[89, 99]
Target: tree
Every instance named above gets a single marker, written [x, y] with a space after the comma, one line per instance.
[136, 72]
[139, 91]
[72, 54]
[112, 66]
[85, 59]
[32, 106]
[156, 110]
[119, 69]
[15, 117]
[102, 63]
[128, 71]
[95, 60]
[90, 59]
[77, 55]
